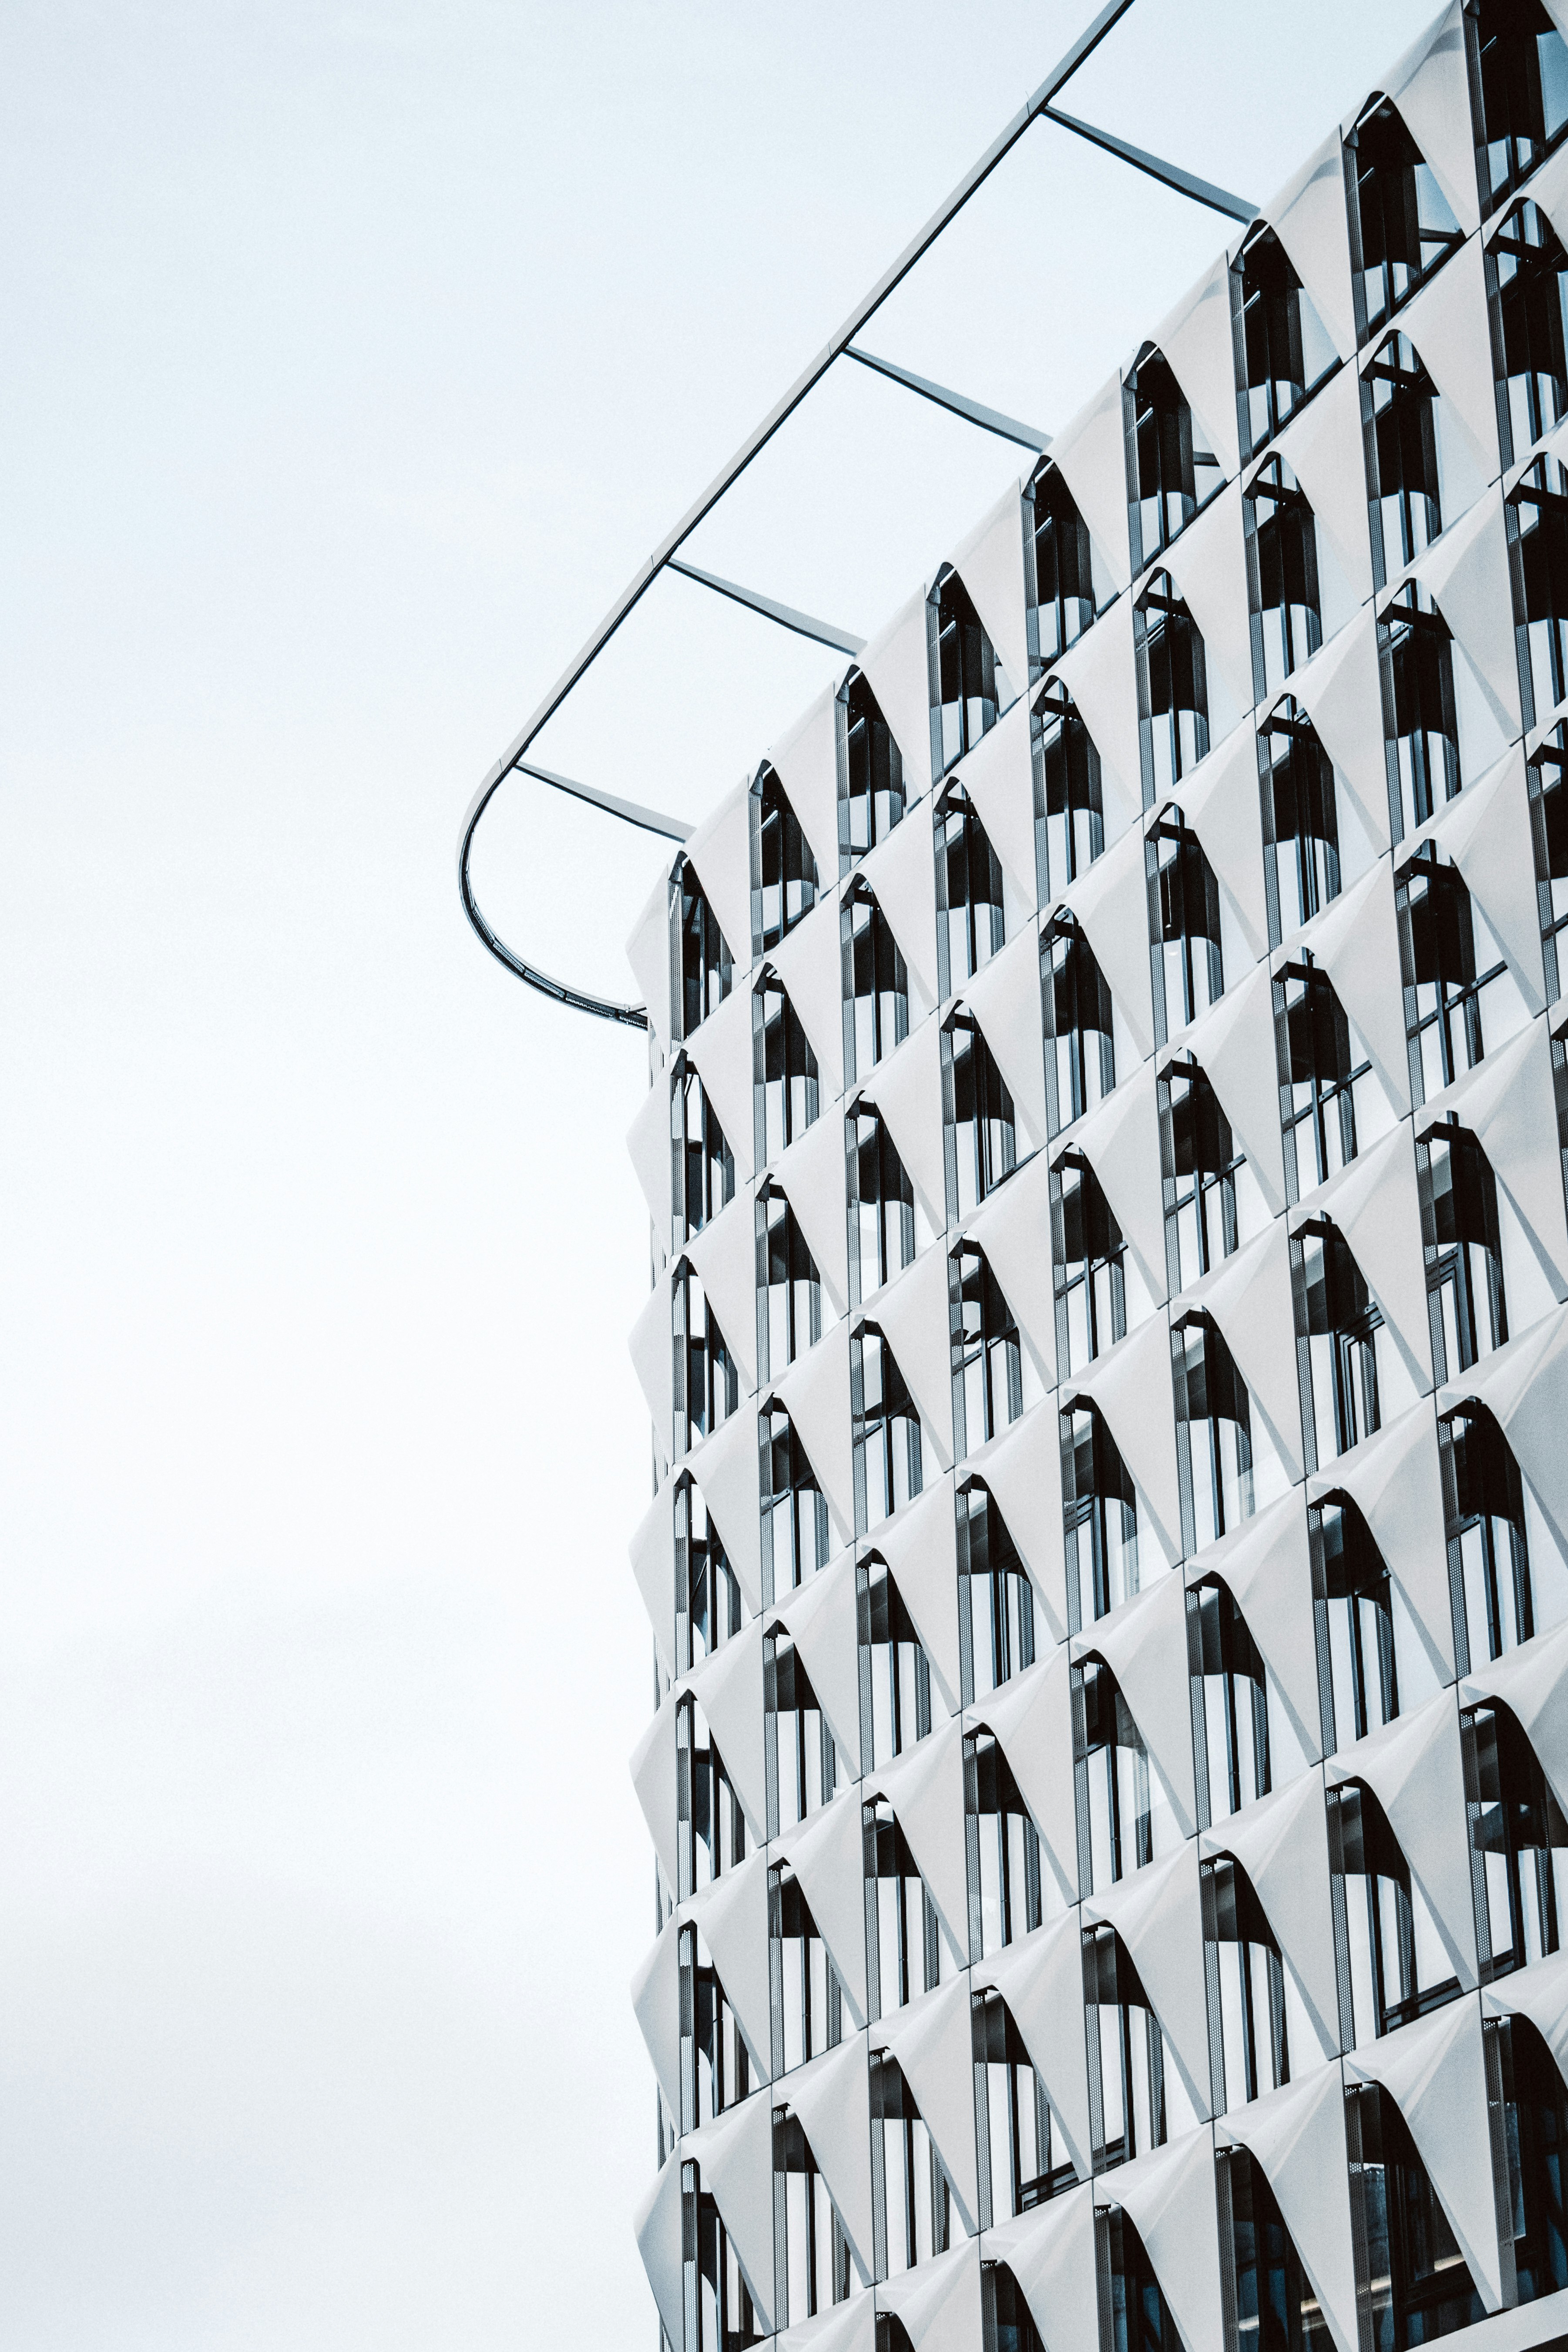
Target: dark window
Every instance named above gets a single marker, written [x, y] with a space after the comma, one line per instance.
[1284, 348]
[1391, 1962]
[1402, 226]
[1537, 512]
[787, 1091]
[980, 1143]
[1338, 1335]
[895, 1673]
[1230, 1704]
[1269, 2302]
[1415, 2284]
[1100, 1517]
[1324, 1076]
[876, 984]
[811, 2250]
[715, 2064]
[1353, 1604]
[1006, 2323]
[1173, 689]
[1515, 1822]
[882, 1223]
[1168, 476]
[995, 1599]
[987, 1359]
[710, 1824]
[1135, 2099]
[970, 686]
[886, 1430]
[1111, 1781]
[1249, 2051]
[801, 1761]
[1185, 957]
[807, 1994]
[1069, 811]
[705, 969]
[784, 871]
[1301, 820]
[1489, 1556]
[1003, 1848]
[708, 1605]
[1444, 991]
[721, 2316]
[1420, 720]
[1519, 76]
[1135, 2315]
[912, 2200]
[793, 1508]
[1079, 1025]
[1463, 1249]
[1066, 592]
[702, 1165]
[1214, 1451]
[1404, 471]
[1282, 563]
[707, 1384]
[1527, 275]
[1211, 1196]
[1524, 2084]
[1088, 1264]
[1548, 776]
[789, 1288]
[870, 773]
[1023, 2158]
[970, 926]
[903, 1939]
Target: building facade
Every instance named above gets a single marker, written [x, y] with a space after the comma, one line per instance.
[1107, 1349]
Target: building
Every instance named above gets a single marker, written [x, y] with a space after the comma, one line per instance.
[1109, 1348]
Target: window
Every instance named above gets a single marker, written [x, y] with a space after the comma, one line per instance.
[895, 1675]
[1170, 476]
[1023, 2158]
[903, 1939]
[1264, 2282]
[1079, 1025]
[1548, 776]
[1416, 2284]
[1006, 2323]
[987, 1360]
[703, 1166]
[1522, 83]
[1173, 689]
[1325, 1078]
[1352, 1605]
[1524, 2086]
[1463, 1249]
[793, 1509]
[1136, 2098]
[707, 1384]
[787, 1092]
[1537, 512]
[1067, 590]
[1489, 1554]
[1100, 1517]
[1392, 1963]
[1515, 1822]
[1125, 1817]
[1249, 2039]
[1003, 1848]
[1341, 1348]
[969, 915]
[719, 2314]
[870, 773]
[884, 1224]
[1401, 224]
[887, 1431]
[711, 1823]
[1444, 991]
[1527, 273]
[1131, 2296]
[784, 871]
[800, 1758]
[1230, 1704]
[1420, 723]
[705, 969]
[1185, 957]
[1282, 562]
[1285, 347]
[807, 1994]
[1088, 1264]
[995, 1599]
[980, 1143]
[1224, 1473]
[912, 2200]
[876, 984]
[789, 1288]
[970, 688]
[1212, 1201]
[1301, 820]
[708, 1604]
[812, 2264]
[1069, 809]
[1404, 471]
[715, 2064]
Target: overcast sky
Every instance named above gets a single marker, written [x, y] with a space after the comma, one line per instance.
[353, 357]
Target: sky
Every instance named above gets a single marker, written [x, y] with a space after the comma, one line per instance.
[355, 355]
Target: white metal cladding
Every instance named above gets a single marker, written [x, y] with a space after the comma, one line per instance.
[1407, 2002]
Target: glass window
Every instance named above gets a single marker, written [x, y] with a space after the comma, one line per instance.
[1399, 415]
[987, 1359]
[903, 1937]
[784, 871]
[716, 2067]
[710, 1825]
[1230, 1704]
[876, 984]
[1088, 1264]
[1526, 274]
[1100, 1517]
[1266, 2281]
[1489, 1552]
[970, 685]
[1124, 1816]
[895, 1673]
[870, 773]
[886, 1430]
[1524, 2083]
[1249, 2030]
[1343, 1355]
[1185, 956]
[812, 2264]
[1537, 510]
[1420, 717]
[995, 1599]
[807, 1996]
[1079, 1025]
[1522, 85]
[1453, 973]
[707, 1384]
[1463, 1249]
[1129, 2290]
[1515, 1824]
[1301, 820]
[1402, 226]
[980, 1142]
[1393, 1964]
[1416, 2284]
[1070, 810]
[1282, 562]
[719, 2314]
[705, 970]
[1352, 1604]
[1170, 476]
[1212, 1199]
[1173, 689]
[789, 1288]
[702, 1164]
[1328, 1102]
[1023, 2160]
[1068, 588]
[1548, 776]
[885, 1226]
[1136, 2097]
[708, 1604]
[787, 1090]
[1286, 349]
[1006, 2323]
[970, 926]
[1003, 1848]
[1227, 1470]
[801, 1761]
[793, 1509]
[912, 2199]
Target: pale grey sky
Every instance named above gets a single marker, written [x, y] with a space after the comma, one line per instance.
[353, 357]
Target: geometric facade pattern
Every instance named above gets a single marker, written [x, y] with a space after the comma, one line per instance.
[1108, 1350]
